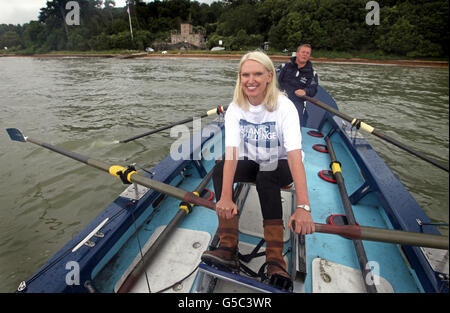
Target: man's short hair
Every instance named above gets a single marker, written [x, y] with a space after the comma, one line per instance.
[304, 45]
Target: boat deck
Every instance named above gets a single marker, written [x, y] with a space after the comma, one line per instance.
[388, 259]
[326, 255]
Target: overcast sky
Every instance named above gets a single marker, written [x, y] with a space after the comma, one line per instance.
[24, 11]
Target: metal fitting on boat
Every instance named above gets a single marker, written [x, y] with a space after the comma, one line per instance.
[187, 206]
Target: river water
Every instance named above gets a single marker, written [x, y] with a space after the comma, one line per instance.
[85, 104]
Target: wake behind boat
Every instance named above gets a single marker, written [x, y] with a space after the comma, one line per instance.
[151, 237]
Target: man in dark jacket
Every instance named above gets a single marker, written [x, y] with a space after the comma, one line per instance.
[298, 78]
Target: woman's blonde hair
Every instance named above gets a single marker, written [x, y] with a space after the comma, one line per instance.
[272, 92]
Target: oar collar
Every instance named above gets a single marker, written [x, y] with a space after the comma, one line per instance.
[123, 173]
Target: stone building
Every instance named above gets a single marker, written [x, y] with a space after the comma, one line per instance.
[187, 38]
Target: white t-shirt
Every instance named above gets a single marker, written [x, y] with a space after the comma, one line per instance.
[263, 136]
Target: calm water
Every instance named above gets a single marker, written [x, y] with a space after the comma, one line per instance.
[84, 104]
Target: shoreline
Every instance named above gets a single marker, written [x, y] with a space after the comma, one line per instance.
[280, 58]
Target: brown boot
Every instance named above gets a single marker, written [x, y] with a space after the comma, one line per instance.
[225, 257]
[276, 266]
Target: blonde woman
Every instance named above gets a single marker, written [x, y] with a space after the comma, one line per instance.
[262, 145]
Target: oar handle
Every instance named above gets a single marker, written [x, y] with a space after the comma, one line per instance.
[219, 110]
[385, 235]
[347, 231]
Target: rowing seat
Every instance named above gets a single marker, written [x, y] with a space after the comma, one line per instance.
[289, 187]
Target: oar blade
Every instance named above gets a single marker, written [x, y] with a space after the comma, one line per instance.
[15, 134]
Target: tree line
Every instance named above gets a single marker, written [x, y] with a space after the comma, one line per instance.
[406, 28]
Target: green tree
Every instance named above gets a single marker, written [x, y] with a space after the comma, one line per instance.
[10, 39]
[400, 39]
[34, 35]
[407, 28]
[243, 17]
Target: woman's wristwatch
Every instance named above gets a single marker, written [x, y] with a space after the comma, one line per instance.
[304, 207]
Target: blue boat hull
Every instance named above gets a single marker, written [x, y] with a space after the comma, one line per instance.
[378, 199]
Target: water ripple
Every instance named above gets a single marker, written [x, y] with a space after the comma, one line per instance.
[84, 104]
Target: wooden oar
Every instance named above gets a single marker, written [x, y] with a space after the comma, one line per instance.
[117, 170]
[367, 128]
[184, 209]
[218, 110]
[359, 247]
[385, 235]
[354, 231]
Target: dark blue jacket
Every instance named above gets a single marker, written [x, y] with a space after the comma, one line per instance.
[291, 78]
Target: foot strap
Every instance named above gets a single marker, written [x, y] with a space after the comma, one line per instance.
[280, 281]
[254, 254]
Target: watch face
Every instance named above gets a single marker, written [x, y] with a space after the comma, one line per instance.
[305, 207]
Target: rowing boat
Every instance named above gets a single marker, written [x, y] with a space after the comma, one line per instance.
[151, 237]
